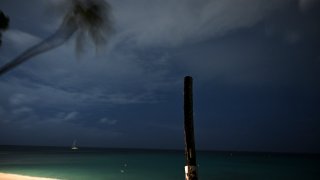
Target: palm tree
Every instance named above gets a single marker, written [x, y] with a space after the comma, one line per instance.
[86, 17]
[4, 24]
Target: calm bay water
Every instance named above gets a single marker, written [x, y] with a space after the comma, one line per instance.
[130, 164]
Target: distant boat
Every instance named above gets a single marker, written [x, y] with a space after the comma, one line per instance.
[74, 147]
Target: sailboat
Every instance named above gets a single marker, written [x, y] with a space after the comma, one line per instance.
[74, 147]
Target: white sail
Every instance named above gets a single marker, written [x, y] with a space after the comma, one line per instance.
[74, 147]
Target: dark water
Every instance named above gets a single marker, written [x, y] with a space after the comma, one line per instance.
[130, 164]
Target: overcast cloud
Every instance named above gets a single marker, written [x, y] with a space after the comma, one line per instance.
[175, 22]
[133, 87]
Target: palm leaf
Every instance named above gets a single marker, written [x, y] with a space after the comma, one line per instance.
[84, 17]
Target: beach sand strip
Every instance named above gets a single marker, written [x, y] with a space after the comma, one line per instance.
[6, 176]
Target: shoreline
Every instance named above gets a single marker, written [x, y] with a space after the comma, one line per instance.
[9, 176]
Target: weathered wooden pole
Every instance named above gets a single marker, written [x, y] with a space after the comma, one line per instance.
[190, 151]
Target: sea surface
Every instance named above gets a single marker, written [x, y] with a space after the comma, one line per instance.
[138, 164]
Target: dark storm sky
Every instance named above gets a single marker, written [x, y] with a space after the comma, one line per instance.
[255, 63]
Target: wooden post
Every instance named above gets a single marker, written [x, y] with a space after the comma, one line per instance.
[190, 151]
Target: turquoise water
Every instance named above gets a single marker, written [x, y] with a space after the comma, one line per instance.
[126, 164]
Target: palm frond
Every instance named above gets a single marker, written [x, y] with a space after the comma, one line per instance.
[88, 18]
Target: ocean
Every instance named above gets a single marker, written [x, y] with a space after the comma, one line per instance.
[139, 164]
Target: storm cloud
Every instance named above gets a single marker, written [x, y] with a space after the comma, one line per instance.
[255, 65]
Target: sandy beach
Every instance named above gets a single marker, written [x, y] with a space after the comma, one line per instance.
[5, 176]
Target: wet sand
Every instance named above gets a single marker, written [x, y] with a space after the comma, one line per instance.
[5, 176]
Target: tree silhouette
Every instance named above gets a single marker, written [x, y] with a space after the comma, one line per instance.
[87, 18]
[4, 24]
